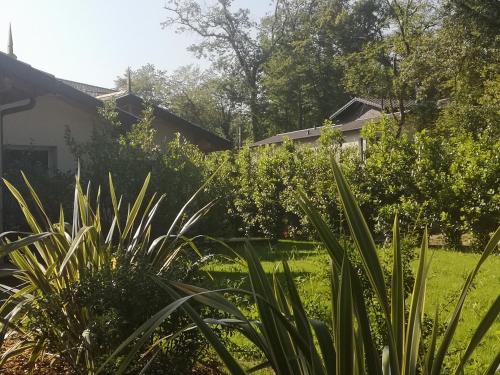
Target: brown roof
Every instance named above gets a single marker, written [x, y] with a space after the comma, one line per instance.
[91, 90]
[218, 142]
[40, 82]
[36, 82]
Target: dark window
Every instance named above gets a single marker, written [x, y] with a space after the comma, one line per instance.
[27, 160]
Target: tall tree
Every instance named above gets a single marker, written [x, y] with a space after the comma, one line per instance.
[302, 81]
[208, 99]
[205, 98]
[391, 67]
[148, 82]
[231, 38]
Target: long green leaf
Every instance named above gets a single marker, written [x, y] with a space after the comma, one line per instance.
[414, 328]
[431, 350]
[367, 249]
[479, 333]
[493, 367]
[326, 345]
[397, 293]
[337, 254]
[452, 325]
[80, 236]
[7, 248]
[134, 211]
[345, 330]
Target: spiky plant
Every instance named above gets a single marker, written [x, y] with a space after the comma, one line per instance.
[294, 344]
[55, 257]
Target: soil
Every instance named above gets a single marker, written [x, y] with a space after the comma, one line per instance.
[48, 366]
[17, 365]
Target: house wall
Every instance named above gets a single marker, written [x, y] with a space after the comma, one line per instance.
[165, 132]
[44, 127]
[351, 138]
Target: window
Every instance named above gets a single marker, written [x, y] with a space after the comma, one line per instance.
[30, 158]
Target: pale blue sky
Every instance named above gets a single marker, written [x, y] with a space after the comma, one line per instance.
[93, 41]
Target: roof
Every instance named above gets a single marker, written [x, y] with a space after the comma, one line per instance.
[384, 104]
[40, 82]
[37, 82]
[165, 114]
[91, 90]
[309, 134]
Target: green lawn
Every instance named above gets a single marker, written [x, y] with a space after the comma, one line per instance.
[310, 265]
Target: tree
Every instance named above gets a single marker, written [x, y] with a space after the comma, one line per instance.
[210, 100]
[302, 81]
[205, 98]
[393, 67]
[231, 39]
[148, 82]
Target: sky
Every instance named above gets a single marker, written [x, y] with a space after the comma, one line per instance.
[94, 41]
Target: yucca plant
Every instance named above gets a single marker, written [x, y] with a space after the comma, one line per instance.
[294, 344]
[57, 258]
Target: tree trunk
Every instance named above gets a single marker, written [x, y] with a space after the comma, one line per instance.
[256, 130]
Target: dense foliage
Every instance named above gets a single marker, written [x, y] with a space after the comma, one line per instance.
[446, 179]
[304, 59]
[76, 288]
[436, 63]
[294, 343]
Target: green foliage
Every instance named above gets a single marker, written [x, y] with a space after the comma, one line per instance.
[81, 286]
[205, 98]
[383, 180]
[447, 180]
[268, 176]
[177, 168]
[292, 343]
[307, 260]
[148, 82]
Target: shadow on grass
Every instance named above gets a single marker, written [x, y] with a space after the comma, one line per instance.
[272, 250]
[239, 278]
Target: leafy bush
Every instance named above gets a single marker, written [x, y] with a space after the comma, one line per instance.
[81, 287]
[54, 188]
[266, 178]
[292, 343]
[446, 177]
[177, 168]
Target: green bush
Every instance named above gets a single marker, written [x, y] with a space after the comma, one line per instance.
[82, 286]
[293, 343]
[445, 176]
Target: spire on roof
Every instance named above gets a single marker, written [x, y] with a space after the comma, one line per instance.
[129, 81]
[10, 45]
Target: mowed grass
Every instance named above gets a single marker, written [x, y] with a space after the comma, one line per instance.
[310, 266]
[446, 277]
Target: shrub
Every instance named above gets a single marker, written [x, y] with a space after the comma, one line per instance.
[82, 286]
[294, 344]
[445, 179]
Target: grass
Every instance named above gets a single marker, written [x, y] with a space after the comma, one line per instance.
[310, 266]
[446, 277]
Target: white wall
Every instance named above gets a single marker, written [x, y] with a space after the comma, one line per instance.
[45, 125]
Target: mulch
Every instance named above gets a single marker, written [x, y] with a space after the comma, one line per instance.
[48, 366]
[17, 365]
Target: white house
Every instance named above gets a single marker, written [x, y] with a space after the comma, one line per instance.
[37, 108]
[349, 119]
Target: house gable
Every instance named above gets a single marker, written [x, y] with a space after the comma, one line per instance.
[358, 109]
[167, 124]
